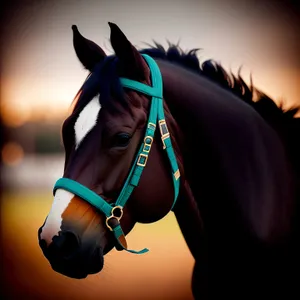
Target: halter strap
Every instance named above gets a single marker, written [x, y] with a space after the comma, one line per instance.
[156, 117]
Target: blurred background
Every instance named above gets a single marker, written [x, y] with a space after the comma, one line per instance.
[40, 76]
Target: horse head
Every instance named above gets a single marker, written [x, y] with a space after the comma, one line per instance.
[102, 138]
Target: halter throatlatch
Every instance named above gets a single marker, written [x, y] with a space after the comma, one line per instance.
[114, 212]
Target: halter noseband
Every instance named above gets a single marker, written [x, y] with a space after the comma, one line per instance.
[114, 212]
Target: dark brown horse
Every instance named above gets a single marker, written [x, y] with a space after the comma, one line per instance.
[238, 159]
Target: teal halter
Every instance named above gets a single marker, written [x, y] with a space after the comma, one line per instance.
[114, 212]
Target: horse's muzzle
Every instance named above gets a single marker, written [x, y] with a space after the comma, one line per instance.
[68, 255]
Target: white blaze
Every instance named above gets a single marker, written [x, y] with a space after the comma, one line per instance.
[53, 223]
[85, 122]
[87, 119]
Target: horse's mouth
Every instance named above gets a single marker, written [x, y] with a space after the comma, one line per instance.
[80, 270]
[75, 270]
[71, 273]
[79, 265]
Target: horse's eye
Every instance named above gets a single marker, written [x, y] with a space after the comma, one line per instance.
[121, 140]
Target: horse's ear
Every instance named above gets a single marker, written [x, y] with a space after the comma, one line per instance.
[131, 60]
[88, 52]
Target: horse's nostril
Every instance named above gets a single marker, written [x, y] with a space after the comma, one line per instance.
[67, 243]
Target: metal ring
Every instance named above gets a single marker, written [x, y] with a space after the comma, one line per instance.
[121, 212]
[113, 216]
[107, 219]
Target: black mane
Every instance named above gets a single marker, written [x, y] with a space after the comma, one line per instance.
[216, 73]
[282, 120]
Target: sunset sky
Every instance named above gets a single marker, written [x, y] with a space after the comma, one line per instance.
[41, 74]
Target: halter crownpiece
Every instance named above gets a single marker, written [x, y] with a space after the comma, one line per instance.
[114, 212]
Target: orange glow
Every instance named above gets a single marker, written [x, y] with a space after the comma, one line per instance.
[12, 154]
[32, 103]
[15, 117]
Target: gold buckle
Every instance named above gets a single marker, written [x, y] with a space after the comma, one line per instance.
[164, 132]
[162, 126]
[163, 140]
[142, 164]
[113, 216]
[147, 146]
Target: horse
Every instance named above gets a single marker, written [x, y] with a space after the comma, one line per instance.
[155, 130]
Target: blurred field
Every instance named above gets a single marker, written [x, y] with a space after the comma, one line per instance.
[163, 273]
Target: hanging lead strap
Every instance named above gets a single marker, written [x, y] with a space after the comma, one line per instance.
[113, 223]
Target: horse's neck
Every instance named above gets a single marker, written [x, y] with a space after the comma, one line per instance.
[186, 209]
[227, 159]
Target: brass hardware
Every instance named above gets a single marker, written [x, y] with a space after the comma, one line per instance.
[113, 216]
[164, 132]
[163, 140]
[151, 126]
[147, 146]
[177, 174]
[142, 164]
